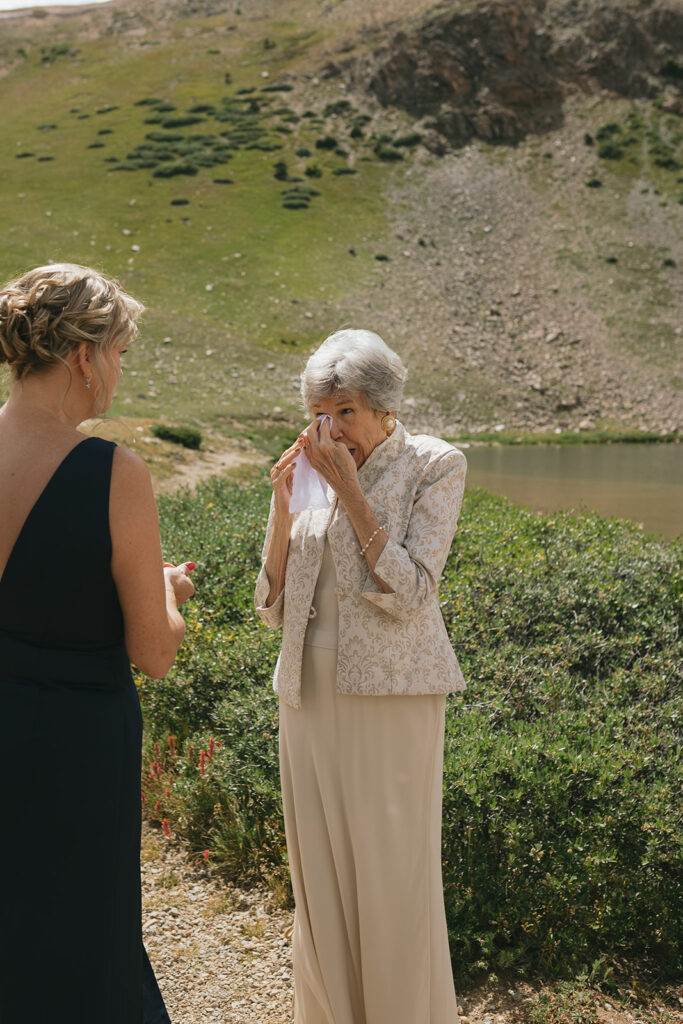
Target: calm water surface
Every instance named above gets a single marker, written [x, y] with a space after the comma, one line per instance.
[643, 482]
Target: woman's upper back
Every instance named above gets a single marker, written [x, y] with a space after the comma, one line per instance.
[56, 585]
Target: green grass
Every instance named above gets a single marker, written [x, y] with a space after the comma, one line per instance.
[561, 823]
[185, 268]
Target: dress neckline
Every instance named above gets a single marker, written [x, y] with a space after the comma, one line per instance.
[38, 500]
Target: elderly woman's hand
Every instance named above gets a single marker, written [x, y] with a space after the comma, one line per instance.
[332, 459]
[281, 476]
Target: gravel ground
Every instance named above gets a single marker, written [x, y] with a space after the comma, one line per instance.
[220, 953]
[223, 954]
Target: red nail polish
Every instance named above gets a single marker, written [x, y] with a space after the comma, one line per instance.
[191, 565]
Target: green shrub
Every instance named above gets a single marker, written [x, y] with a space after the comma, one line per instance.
[344, 170]
[410, 139]
[164, 136]
[607, 131]
[388, 153]
[188, 437]
[337, 107]
[313, 171]
[562, 772]
[671, 68]
[326, 142]
[182, 120]
[173, 170]
[610, 151]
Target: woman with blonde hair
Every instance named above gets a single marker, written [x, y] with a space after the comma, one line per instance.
[82, 590]
[362, 678]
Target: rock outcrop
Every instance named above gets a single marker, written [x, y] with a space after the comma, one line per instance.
[500, 70]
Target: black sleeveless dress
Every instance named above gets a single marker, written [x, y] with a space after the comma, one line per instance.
[70, 749]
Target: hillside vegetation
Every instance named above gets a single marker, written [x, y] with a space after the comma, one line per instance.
[262, 174]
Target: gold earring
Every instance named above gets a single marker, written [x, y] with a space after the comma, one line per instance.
[388, 423]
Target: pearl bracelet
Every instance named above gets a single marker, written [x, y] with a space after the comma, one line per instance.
[365, 548]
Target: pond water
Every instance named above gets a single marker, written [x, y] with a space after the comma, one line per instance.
[643, 482]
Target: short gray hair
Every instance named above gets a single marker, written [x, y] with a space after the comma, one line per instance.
[357, 362]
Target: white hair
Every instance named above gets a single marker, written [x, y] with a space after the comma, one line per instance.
[359, 363]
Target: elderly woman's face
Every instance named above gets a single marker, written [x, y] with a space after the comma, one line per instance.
[354, 423]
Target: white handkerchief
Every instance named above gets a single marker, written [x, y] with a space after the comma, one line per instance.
[309, 488]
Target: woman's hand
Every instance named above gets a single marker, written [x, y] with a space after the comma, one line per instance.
[178, 580]
[282, 476]
[332, 459]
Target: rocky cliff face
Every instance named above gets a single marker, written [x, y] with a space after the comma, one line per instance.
[501, 70]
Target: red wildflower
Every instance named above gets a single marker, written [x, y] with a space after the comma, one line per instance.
[144, 798]
[190, 751]
[157, 807]
[172, 746]
[157, 749]
[206, 855]
[202, 762]
[166, 828]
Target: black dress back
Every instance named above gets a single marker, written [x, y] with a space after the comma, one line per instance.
[70, 750]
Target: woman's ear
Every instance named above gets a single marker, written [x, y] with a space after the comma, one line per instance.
[83, 362]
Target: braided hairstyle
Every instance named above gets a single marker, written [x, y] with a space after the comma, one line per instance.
[49, 311]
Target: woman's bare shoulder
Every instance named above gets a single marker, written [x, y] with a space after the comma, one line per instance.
[130, 476]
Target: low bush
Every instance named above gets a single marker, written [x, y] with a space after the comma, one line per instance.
[188, 437]
[610, 151]
[561, 821]
[182, 120]
[388, 153]
[173, 170]
[326, 142]
[410, 139]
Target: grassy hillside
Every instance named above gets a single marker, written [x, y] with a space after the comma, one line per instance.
[179, 148]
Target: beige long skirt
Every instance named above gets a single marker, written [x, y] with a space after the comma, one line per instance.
[361, 785]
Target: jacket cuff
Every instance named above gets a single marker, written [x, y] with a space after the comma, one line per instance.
[272, 615]
[386, 568]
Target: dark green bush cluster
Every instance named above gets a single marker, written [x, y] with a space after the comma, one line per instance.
[561, 835]
[188, 437]
[299, 197]
[618, 140]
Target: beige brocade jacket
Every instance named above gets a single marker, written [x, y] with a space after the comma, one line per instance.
[388, 643]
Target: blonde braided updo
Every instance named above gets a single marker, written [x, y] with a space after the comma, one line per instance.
[49, 311]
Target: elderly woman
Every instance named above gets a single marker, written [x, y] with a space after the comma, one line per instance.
[362, 676]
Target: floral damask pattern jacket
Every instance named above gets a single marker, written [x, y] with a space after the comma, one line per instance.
[388, 643]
